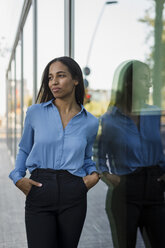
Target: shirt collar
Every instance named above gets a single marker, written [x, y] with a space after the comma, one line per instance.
[50, 102]
[45, 104]
[83, 109]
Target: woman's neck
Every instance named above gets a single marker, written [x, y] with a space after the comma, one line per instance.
[67, 105]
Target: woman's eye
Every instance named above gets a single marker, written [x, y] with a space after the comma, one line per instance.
[49, 78]
[61, 75]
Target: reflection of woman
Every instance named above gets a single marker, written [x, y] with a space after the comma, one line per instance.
[130, 148]
[56, 148]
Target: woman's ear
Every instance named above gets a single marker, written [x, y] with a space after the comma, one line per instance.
[76, 83]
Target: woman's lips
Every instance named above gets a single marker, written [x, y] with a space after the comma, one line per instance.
[55, 89]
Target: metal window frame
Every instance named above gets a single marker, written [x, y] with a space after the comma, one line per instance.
[7, 108]
[69, 10]
[35, 66]
[22, 80]
[15, 105]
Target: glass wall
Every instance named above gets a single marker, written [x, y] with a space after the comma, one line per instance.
[28, 61]
[9, 101]
[109, 37]
[107, 42]
[12, 105]
[50, 44]
[18, 93]
[11, 112]
[50, 33]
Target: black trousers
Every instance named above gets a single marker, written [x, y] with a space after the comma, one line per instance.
[55, 212]
[138, 201]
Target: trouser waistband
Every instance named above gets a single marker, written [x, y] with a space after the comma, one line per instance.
[50, 172]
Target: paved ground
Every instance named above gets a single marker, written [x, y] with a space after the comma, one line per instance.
[96, 232]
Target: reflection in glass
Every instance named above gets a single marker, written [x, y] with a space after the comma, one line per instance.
[131, 159]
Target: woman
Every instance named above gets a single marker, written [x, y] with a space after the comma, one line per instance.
[56, 148]
[131, 142]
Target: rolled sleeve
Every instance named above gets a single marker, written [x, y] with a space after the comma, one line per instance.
[25, 147]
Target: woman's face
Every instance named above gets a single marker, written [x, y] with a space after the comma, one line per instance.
[61, 83]
[141, 83]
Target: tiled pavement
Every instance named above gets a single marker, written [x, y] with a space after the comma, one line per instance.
[96, 232]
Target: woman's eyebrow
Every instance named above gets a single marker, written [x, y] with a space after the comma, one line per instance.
[57, 72]
[61, 72]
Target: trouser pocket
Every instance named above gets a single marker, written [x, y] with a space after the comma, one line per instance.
[46, 194]
[84, 185]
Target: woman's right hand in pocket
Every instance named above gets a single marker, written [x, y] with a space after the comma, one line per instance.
[25, 184]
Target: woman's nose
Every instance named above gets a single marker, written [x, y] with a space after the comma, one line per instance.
[55, 81]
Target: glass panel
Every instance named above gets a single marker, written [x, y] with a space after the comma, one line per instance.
[13, 10]
[50, 32]
[18, 93]
[123, 53]
[28, 62]
[109, 42]
[11, 110]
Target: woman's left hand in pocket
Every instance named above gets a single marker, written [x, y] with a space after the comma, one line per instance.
[91, 180]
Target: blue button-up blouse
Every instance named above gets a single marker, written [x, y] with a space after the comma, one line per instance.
[123, 147]
[46, 144]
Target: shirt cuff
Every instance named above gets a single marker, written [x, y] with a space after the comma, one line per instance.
[91, 169]
[15, 176]
[103, 169]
